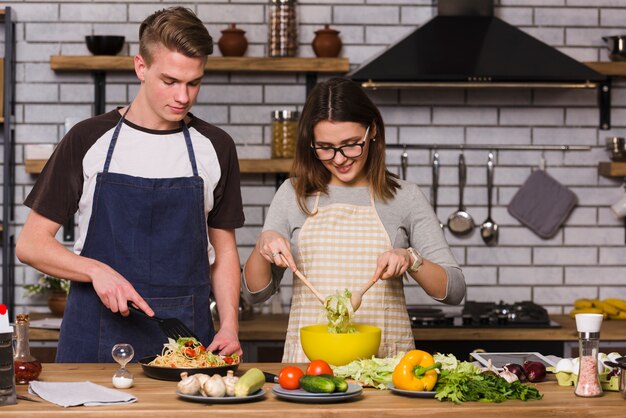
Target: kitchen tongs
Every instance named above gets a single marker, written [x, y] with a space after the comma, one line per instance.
[172, 327]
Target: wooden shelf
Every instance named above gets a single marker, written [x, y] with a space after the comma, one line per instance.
[246, 166]
[278, 165]
[34, 166]
[235, 64]
[609, 68]
[612, 169]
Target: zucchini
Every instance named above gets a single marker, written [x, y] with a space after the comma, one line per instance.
[316, 384]
[249, 383]
[340, 384]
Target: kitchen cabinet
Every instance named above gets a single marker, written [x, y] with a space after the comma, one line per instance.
[7, 110]
[157, 398]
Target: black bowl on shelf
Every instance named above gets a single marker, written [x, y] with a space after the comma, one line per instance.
[104, 44]
[617, 47]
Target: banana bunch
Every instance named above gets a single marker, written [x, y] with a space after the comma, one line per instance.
[612, 308]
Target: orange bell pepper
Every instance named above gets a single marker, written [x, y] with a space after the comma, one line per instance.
[416, 371]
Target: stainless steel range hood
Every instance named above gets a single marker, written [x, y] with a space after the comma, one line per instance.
[465, 46]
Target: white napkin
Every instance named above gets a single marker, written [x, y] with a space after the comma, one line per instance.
[79, 393]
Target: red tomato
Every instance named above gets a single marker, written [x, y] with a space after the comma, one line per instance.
[318, 367]
[289, 377]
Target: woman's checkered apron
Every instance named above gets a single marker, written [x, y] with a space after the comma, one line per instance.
[339, 246]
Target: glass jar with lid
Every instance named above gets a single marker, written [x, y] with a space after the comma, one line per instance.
[284, 133]
[283, 28]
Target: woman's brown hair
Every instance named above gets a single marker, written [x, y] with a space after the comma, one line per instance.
[178, 29]
[339, 100]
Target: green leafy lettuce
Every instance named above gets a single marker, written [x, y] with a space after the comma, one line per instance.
[339, 313]
[375, 372]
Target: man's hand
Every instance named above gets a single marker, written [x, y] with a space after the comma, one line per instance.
[226, 343]
[116, 292]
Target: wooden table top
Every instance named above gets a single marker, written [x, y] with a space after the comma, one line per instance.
[157, 398]
[274, 328]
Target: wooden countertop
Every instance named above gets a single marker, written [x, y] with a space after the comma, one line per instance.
[157, 398]
[274, 328]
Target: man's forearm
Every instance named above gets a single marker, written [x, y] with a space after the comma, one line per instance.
[226, 285]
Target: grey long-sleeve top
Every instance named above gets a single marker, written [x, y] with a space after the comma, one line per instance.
[408, 219]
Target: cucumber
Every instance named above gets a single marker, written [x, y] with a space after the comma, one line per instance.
[340, 384]
[316, 384]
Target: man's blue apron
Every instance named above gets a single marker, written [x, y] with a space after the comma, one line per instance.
[154, 233]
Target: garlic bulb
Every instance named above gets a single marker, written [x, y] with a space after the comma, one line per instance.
[188, 385]
[215, 387]
[202, 378]
[508, 376]
[229, 381]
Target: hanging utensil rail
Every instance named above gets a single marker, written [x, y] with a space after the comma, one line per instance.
[494, 147]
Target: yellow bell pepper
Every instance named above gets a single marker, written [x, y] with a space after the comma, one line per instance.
[415, 371]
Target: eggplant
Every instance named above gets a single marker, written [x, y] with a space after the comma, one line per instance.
[535, 371]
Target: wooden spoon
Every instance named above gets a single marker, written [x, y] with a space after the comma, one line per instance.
[357, 297]
[305, 281]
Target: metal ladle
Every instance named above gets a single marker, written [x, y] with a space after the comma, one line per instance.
[436, 166]
[489, 229]
[404, 162]
[460, 222]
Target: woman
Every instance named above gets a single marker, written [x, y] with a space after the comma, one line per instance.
[343, 220]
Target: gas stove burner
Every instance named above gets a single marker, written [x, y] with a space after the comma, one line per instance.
[504, 314]
[485, 314]
[427, 317]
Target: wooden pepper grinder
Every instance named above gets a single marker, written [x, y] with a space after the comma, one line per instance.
[233, 42]
[327, 43]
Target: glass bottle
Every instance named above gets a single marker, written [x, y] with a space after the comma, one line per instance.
[27, 367]
[283, 28]
[284, 133]
[588, 327]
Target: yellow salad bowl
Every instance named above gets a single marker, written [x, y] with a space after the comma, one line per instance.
[339, 349]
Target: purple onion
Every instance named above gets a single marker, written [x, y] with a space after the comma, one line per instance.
[535, 371]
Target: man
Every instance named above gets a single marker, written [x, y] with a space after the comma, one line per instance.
[158, 196]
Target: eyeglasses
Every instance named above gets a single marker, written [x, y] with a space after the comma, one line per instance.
[327, 153]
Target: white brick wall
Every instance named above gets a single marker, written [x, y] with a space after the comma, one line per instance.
[587, 258]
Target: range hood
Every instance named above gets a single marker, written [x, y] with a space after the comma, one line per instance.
[465, 43]
[465, 46]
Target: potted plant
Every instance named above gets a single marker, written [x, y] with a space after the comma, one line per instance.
[56, 289]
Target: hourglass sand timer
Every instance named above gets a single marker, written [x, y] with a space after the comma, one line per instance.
[122, 354]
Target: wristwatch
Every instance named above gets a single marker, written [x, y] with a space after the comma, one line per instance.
[416, 260]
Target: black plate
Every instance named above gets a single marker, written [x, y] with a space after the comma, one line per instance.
[173, 373]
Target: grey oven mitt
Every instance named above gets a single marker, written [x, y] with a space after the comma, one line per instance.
[542, 204]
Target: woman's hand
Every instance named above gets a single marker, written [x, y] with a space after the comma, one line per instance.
[392, 264]
[276, 249]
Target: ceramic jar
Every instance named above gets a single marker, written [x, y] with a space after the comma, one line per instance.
[327, 42]
[56, 303]
[233, 42]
